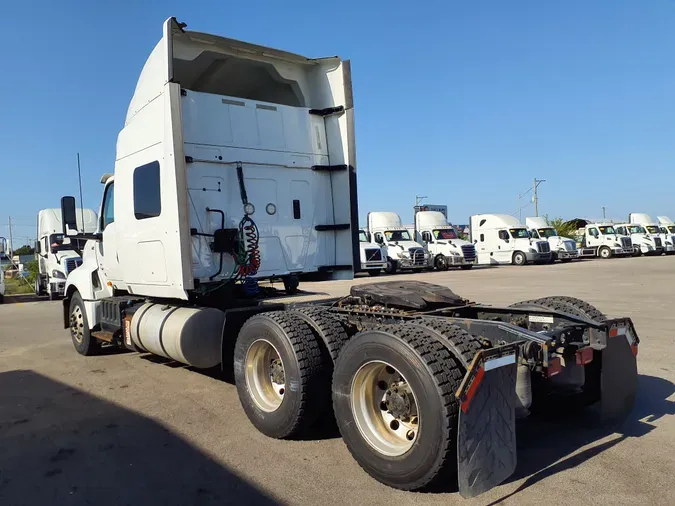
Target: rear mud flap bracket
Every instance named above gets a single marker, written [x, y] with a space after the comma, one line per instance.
[486, 436]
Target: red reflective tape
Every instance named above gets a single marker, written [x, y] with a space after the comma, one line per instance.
[584, 355]
[554, 367]
[472, 390]
[613, 332]
[634, 348]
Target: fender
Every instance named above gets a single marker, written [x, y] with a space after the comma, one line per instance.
[81, 280]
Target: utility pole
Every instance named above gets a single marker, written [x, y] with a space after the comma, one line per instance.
[603, 213]
[11, 246]
[418, 200]
[537, 182]
[79, 175]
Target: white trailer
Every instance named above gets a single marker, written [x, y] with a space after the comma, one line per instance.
[373, 256]
[403, 252]
[502, 239]
[236, 163]
[56, 255]
[653, 229]
[442, 242]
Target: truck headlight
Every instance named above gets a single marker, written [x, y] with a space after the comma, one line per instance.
[649, 247]
[532, 250]
[454, 253]
[617, 245]
[58, 274]
[405, 254]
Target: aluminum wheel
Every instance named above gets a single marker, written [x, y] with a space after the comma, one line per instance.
[77, 324]
[265, 377]
[384, 408]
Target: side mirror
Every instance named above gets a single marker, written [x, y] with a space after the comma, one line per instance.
[68, 216]
[37, 247]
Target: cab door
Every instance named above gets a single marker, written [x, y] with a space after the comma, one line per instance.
[106, 250]
[505, 247]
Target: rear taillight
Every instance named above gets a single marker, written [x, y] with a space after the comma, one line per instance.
[554, 367]
[584, 355]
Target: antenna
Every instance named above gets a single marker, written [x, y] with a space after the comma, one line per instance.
[79, 176]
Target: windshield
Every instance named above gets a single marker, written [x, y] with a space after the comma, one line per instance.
[653, 229]
[445, 233]
[671, 228]
[636, 229]
[56, 243]
[397, 235]
[607, 230]
[519, 233]
[547, 232]
[363, 237]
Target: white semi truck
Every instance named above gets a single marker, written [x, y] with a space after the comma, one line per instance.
[442, 242]
[403, 252]
[644, 243]
[562, 248]
[602, 240]
[236, 162]
[373, 256]
[667, 227]
[502, 239]
[653, 228]
[56, 255]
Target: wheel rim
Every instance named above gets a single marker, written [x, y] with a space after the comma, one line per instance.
[385, 408]
[440, 263]
[77, 324]
[519, 259]
[265, 375]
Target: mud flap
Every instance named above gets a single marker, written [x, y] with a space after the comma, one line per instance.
[619, 376]
[486, 436]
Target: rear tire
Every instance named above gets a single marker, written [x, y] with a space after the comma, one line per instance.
[83, 341]
[519, 258]
[273, 351]
[570, 305]
[402, 450]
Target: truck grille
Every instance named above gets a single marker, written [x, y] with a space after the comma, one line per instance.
[469, 251]
[570, 245]
[626, 243]
[373, 255]
[416, 256]
[657, 242]
[543, 247]
[72, 264]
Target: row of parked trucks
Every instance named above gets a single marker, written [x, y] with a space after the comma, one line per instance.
[237, 163]
[494, 239]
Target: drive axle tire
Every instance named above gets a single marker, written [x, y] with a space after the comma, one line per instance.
[282, 376]
[519, 258]
[570, 305]
[83, 341]
[327, 326]
[394, 401]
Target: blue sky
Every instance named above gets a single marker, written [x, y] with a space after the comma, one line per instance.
[463, 102]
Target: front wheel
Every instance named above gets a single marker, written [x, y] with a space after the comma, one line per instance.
[38, 286]
[83, 341]
[519, 258]
[392, 266]
[441, 263]
[605, 252]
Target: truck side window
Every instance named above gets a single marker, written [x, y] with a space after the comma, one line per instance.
[378, 238]
[504, 235]
[426, 236]
[108, 215]
[593, 232]
[147, 192]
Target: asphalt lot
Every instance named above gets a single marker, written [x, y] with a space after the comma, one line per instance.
[125, 429]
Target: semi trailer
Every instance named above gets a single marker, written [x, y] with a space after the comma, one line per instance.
[424, 385]
[403, 252]
[562, 248]
[502, 239]
[56, 256]
[442, 242]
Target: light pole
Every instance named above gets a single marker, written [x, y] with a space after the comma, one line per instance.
[603, 213]
[537, 182]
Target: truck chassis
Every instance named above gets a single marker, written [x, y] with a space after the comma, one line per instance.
[419, 376]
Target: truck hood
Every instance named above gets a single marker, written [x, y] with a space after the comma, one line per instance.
[58, 260]
[369, 245]
[559, 241]
[455, 242]
[404, 245]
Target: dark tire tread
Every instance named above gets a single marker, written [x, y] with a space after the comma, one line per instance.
[329, 328]
[464, 345]
[567, 304]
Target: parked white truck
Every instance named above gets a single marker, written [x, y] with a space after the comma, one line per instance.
[602, 240]
[667, 227]
[442, 242]
[373, 256]
[502, 239]
[56, 255]
[403, 252]
[644, 243]
[236, 162]
[653, 228]
[562, 248]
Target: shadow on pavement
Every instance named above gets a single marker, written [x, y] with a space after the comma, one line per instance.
[26, 297]
[59, 445]
[542, 444]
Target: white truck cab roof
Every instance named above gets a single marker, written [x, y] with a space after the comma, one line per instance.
[496, 221]
[664, 220]
[535, 222]
[49, 221]
[431, 219]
